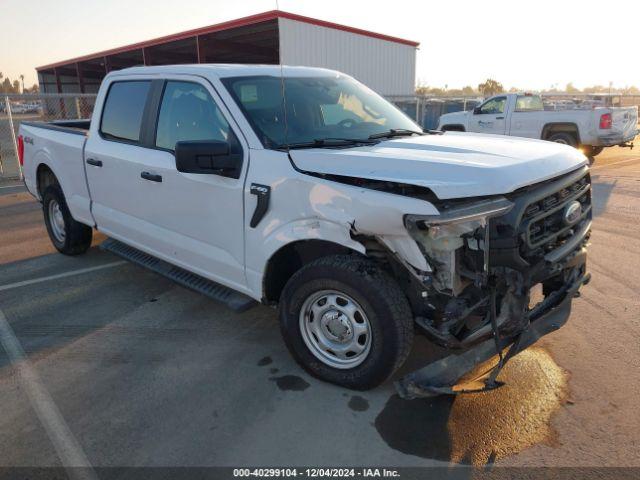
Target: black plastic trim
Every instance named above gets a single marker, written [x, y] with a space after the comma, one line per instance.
[453, 127]
[150, 115]
[59, 127]
[94, 162]
[263, 192]
[153, 177]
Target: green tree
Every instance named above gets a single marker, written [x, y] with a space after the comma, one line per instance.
[426, 90]
[596, 89]
[571, 89]
[490, 87]
[6, 86]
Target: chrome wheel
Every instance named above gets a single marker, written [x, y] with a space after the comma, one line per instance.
[562, 141]
[56, 221]
[335, 329]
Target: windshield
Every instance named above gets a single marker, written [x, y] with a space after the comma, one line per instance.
[318, 109]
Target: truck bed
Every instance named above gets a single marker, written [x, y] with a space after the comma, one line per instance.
[60, 146]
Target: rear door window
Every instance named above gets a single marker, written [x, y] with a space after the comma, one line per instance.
[123, 110]
[529, 103]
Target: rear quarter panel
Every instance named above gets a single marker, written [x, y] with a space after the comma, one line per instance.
[63, 153]
[582, 119]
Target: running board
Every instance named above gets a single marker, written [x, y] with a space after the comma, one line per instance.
[236, 301]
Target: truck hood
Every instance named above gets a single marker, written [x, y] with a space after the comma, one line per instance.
[452, 165]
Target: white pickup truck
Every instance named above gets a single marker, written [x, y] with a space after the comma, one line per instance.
[303, 189]
[523, 115]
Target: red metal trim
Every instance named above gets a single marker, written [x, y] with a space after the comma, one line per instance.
[240, 22]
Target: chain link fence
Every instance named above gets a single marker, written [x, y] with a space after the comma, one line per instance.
[425, 110]
[15, 109]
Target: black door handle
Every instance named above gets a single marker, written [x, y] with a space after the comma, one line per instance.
[94, 162]
[499, 118]
[151, 176]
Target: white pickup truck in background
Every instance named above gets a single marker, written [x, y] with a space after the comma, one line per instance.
[524, 115]
[303, 189]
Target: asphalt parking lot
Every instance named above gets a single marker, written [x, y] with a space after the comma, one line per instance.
[108, 364]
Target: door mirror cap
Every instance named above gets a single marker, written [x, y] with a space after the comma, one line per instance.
[207, 157]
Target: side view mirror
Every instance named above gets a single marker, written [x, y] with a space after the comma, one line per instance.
[476, 110]
[208, 157]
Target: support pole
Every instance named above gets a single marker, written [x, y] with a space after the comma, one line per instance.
[13, 134]
[63, 107]
[80, 77]
[201, 57]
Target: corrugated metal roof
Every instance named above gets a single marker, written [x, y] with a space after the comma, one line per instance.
[241, 22]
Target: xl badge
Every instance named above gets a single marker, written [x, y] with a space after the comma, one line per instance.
[572, 212]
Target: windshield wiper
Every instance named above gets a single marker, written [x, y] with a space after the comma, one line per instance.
[328, 143]
[395, 132]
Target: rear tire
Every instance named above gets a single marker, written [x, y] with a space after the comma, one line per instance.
[358, 309]
[591, 151]
[564, 138]
[68, 236]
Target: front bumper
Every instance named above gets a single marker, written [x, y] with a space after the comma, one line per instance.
[444, 376]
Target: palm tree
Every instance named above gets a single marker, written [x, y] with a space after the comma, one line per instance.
[22, 80]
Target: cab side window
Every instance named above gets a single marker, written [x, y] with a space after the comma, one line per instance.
[123, 111]
[529, 103]
[188, 112]
[494, 106]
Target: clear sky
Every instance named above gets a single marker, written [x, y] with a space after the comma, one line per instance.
[525, 44]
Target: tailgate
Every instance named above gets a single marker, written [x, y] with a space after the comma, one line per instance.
[624, 121]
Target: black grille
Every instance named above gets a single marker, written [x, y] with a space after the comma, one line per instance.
[543, 226]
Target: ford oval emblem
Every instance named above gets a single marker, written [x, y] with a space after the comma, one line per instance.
[572, 212]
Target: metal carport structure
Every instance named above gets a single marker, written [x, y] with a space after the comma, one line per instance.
[384, 62]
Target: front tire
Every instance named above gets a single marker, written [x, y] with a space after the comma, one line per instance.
[68, 236]
[346, 321]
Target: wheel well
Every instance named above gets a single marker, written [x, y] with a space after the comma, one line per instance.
[291, 258]
[453, 128]
[45, 177]
[553, 128]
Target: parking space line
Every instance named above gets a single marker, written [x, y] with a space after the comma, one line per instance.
[12, 186]
[72, 273]
[66, 445]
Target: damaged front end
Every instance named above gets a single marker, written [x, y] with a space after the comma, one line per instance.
[486, 257]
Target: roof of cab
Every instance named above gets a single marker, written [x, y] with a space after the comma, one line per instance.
[222, 70]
